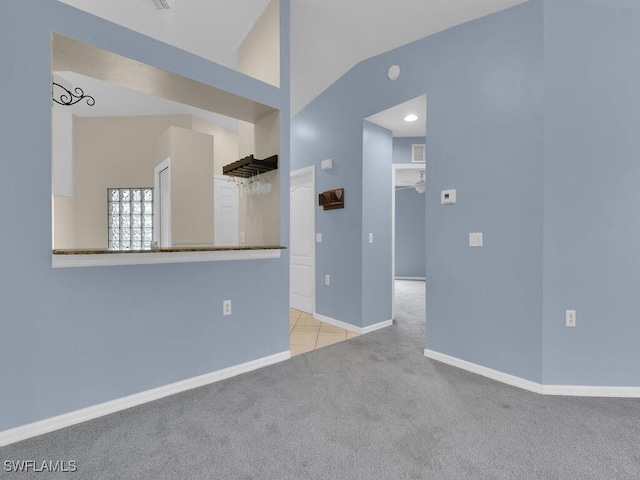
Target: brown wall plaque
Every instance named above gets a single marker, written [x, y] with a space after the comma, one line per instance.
[331, 199]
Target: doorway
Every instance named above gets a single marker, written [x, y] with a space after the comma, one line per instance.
[302, 241]
[407, 225]
[407, 122]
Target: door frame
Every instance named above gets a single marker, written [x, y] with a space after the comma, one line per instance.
[294, 173]
[166, 164]
[394, 168]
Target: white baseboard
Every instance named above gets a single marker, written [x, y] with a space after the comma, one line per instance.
[338, 323]
[95, 411]
[377, 326]
[568, 390]
[411, 278]
[352, 328]
[484, 371]
[591, 391]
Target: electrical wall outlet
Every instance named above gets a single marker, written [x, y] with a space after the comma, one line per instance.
[318, 238]
[570, 318]
[226, 307]
[475, 239]
[327, 279]
[243, 237]
[371, 238]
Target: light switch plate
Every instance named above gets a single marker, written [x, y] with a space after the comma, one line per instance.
[475, 239]
[371, 238]
[448, 197]
[318, 238]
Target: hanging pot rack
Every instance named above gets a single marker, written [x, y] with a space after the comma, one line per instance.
[249, 166]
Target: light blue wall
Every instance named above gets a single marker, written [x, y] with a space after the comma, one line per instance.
[592, 192]
[410, 233]
[483, 80]
[533, 116]
[402, 148]
[72, 338]
[485, 140]
[317, 134]
[377, 151]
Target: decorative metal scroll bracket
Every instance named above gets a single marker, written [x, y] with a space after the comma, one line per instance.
[65, 97]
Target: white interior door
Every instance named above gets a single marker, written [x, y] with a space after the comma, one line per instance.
[225, 206]
[162, 205]
[302, 241]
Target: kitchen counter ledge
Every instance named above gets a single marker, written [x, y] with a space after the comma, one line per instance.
[64, 258]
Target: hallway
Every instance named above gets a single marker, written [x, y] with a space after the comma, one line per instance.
[307, 334]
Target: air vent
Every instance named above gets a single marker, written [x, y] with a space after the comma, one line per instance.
[162, 4]
[418, 152]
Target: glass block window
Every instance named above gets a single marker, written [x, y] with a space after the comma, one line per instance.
[130, 217]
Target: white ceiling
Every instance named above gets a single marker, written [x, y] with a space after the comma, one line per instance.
[328, 37]
[212, 29]
[393, 118]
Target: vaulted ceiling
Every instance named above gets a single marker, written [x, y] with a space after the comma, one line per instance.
[328, 37]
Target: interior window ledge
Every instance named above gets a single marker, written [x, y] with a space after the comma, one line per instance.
[88, 258]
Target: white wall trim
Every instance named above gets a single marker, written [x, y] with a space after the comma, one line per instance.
[112, 259]
[95, 411]
[591, 391]
[393, 241]
[408, 166]
[166, 163]
[303, 171]
[377, 326]
[352, 328]
[484, 371]
[338, 323]
[568, 390]
[412, 278]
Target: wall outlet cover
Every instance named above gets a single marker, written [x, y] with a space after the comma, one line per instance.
[475, 239]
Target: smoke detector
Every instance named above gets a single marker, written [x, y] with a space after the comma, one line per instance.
[163, 4]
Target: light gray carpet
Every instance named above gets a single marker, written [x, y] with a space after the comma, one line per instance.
[370, 408]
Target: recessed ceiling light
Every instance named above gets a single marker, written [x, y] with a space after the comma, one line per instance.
[410, 118]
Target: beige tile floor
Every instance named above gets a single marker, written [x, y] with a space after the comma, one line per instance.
[306, 333]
